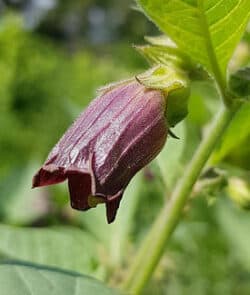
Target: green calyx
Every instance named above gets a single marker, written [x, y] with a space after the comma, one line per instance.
[174, 83]
[169, 73]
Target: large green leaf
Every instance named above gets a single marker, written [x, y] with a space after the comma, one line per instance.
[66, 248]
[17, 279]
[206, 30]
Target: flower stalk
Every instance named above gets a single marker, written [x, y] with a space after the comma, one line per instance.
[154, 244]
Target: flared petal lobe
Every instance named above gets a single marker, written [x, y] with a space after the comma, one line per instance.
[120, 132]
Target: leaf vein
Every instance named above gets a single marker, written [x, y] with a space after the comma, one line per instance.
[214, 6]
[218, 47]
[225, 18]
[20, 275]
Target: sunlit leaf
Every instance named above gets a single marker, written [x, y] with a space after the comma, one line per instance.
[205, 30]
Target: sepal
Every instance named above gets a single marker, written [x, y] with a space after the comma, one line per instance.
[174, 83]
[162, 50]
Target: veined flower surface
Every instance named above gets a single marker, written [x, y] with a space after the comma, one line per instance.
[119, 133]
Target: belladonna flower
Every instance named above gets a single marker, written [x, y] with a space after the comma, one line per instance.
[120, 132]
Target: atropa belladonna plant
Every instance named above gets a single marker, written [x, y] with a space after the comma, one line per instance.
[95, 159]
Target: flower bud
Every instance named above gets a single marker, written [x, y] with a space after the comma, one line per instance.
[120, 132]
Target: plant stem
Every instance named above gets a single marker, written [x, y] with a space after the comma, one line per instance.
[154, 244]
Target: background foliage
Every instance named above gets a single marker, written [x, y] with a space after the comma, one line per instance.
[52, 60]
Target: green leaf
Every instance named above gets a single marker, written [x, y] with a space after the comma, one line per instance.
[162, 51]
[239, 83]
[237, 132]
[66, 248]
[18, 279]
[208, 31]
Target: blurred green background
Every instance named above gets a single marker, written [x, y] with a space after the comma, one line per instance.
[53, 57]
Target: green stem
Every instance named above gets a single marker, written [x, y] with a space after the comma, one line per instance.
[154, 244]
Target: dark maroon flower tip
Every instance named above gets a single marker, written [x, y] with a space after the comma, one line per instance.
[49, 174]
[120, 132]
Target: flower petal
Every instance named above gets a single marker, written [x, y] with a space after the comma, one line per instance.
[112, 205]
[47, 175]
[80, 189]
